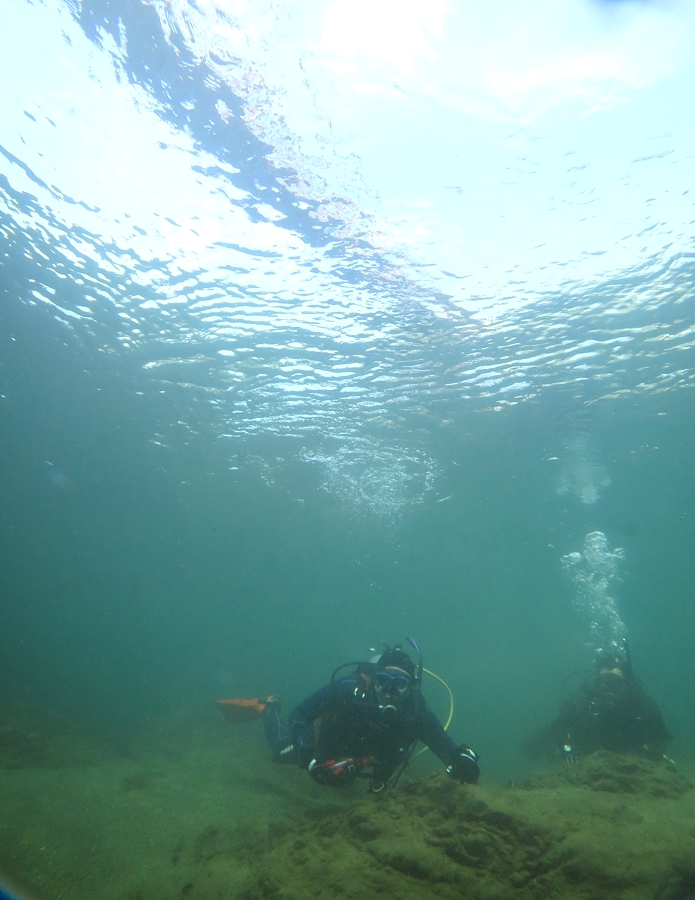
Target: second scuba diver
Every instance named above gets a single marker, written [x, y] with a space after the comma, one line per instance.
[610, 711]
[364, 725]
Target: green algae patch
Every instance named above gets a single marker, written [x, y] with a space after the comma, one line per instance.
[427, 840]
[618, 774]
[436, 839]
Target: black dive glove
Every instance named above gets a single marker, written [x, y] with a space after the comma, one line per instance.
[464, 768]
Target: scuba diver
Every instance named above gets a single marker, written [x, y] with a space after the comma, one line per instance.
[609, 711]
[362, 725]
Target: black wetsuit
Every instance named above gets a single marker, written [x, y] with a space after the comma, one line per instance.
[343, 720]
[589, 720]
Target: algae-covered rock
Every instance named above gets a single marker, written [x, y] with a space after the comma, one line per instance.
[618, 773]
[611, 827]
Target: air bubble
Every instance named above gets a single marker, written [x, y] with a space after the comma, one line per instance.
[594, 572]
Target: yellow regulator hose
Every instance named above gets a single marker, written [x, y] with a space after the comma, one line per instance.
[451, 705]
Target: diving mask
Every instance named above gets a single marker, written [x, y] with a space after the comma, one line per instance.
[392, 681]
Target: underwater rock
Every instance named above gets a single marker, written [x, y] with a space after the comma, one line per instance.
[591, 832]
[617, 773]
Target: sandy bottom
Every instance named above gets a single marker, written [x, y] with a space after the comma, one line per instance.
[195, 810]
